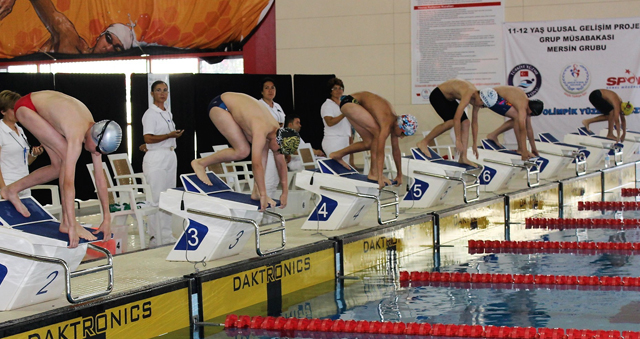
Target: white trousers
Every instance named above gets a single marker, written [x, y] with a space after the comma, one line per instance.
[332, 143]
[160, 168]
[271, 179]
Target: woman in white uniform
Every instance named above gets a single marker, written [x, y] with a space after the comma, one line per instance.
[337, 129]
[271, 178]
[15, 152]
[160, 164]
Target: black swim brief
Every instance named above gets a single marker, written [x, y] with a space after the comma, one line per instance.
[348, 99]
[599, 103]
[217, 102]
[445, 108]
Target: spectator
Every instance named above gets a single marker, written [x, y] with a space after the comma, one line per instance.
[270, 171]
[294, 162]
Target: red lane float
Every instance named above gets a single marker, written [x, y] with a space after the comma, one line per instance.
[500, 278]
[630, 192]
[608, 205]
[528, 247]
[587, 223]
[317, 328]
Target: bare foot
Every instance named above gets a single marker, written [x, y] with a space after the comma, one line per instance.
[586, 125]
[468, 162]
[201, 172]
[339, 160]
[15, 200]
[386, 180]
[83, 233]
[494, 139]
[255, 196]
[424, 147]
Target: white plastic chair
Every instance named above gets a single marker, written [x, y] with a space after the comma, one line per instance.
[124, 175]
[122, 194]
[55, 207]
[305, 152]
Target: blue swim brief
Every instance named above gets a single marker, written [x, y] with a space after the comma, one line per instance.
[502, 106]
[217, 102]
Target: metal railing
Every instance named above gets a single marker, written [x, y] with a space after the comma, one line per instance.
[579, 158]
[258, 232]
[527, 165]
[68, 274]
[377, 199]
[465, 185]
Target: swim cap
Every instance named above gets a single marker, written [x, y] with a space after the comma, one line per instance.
[107, 135]
[536, 106]
[627, 108]
[408, 124]
[124, 33]
[288, 140]
[489, 97]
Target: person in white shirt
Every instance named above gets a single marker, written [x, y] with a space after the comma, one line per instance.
[160, 164]
[16, 154]
[268, 94]
[337, 129]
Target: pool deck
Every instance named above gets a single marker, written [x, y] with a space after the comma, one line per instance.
[153, 296]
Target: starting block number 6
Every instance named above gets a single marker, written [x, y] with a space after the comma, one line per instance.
[487, 175]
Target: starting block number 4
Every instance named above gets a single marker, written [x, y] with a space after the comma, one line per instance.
[487, 175]
[324, 210]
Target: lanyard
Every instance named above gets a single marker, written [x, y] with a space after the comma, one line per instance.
[24, 148]
[167, 121]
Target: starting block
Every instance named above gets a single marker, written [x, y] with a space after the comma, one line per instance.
[346, 196]
[501, 165]
[219, 220]
[550, 146]
[631, 144]
[433, 177]
[35, 263]
[597, 145]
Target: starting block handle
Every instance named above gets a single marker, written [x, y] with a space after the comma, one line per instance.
[258, 232]
[68, 274]
[465, 185]
[581, 163]
[528, 166]
[376, 198]
[617, 154]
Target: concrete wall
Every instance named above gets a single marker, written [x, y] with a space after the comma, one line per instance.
[367, 43]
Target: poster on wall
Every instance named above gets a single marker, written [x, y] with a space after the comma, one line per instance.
[562, 62]
[53, 29]
[455, 39]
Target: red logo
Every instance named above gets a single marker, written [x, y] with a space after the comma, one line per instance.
[524, 73]
[629, 78]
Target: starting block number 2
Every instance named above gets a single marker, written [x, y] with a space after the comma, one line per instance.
[50, 278]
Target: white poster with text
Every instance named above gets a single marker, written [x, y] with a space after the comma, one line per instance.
[455, 39]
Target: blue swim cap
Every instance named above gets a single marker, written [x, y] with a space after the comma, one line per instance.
[107, 135]
[408, 124]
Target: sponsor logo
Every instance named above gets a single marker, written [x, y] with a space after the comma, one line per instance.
[526, 77]
[626, 80]
[381, 243]
[575, 79]
[425, 94]
[271, 273]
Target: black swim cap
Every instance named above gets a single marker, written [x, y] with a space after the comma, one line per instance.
[536, 106]
[288, 140]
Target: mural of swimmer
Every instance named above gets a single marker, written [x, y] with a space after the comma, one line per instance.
[104, 26]
[610, 105]
[513, 103]
[374, 119]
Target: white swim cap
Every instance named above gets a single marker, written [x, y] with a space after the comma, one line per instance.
[107, 135]
[489, 97]
[124, 33]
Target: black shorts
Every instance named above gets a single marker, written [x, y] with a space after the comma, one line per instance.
[445, 108]
[217, 102]
[348, 99]
[599, 103]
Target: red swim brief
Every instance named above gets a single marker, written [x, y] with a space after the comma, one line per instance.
[25, 101]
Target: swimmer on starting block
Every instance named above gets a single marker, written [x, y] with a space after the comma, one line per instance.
[374, 119]
[250, 128]
[444, 100]
[513, 103]
[610, 105]
[62, 124]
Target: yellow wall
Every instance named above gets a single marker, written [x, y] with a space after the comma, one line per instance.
[367, 43]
